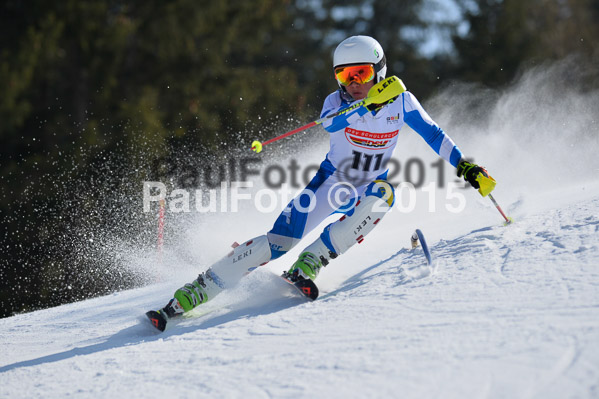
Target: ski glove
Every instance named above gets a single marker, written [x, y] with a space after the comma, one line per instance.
[477, 176]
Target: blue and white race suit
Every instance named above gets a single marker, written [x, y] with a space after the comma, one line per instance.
[361, 144]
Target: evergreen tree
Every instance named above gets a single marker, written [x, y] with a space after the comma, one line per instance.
[97, 94]
[506, 35]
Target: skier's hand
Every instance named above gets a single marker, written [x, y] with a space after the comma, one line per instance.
[477, 176]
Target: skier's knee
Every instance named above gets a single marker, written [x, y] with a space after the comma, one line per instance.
[381, 189]
[368, 212]
[280, 244]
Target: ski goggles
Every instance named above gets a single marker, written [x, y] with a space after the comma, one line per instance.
[354, 73]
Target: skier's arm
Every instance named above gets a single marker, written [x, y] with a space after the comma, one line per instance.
[417, 118]
[332, 104]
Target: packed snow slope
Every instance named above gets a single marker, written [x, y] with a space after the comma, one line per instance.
[504, 311]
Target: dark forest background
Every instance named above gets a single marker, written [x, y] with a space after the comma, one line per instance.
[98, 96]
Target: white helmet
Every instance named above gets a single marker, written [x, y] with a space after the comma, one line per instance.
[361, 50]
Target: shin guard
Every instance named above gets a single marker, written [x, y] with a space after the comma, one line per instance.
[339, 236]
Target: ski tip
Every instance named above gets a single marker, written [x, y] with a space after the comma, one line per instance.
[425, 249]
[157, 319]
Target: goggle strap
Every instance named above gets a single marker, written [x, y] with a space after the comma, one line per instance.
[380, 65]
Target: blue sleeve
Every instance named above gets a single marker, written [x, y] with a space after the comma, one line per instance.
[333, 103]
[344, 120]
[416, 117]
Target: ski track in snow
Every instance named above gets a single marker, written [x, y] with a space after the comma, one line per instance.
[504, 312]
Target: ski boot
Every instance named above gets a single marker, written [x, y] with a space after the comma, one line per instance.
[307, 266]
[302, 274]
[191, 295]
[185, 299]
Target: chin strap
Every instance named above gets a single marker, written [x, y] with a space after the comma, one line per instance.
[345, 96]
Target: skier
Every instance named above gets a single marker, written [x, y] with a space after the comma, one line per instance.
[361, 143]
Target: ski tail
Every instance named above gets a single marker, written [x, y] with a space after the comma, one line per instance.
[304, 285]
[158, 319]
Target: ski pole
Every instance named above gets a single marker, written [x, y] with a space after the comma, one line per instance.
[257, 146]
[380, 93]
[486, 185]
[508, 220]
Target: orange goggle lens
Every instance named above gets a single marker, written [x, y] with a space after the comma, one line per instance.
[354, 73]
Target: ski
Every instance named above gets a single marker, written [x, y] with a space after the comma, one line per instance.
[158, 319]
[306, 287]
[418, 238]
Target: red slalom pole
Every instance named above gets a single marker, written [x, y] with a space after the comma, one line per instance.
[160, 243]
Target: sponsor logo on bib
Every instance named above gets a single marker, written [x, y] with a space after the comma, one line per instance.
[365, 139]
[393, 119]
